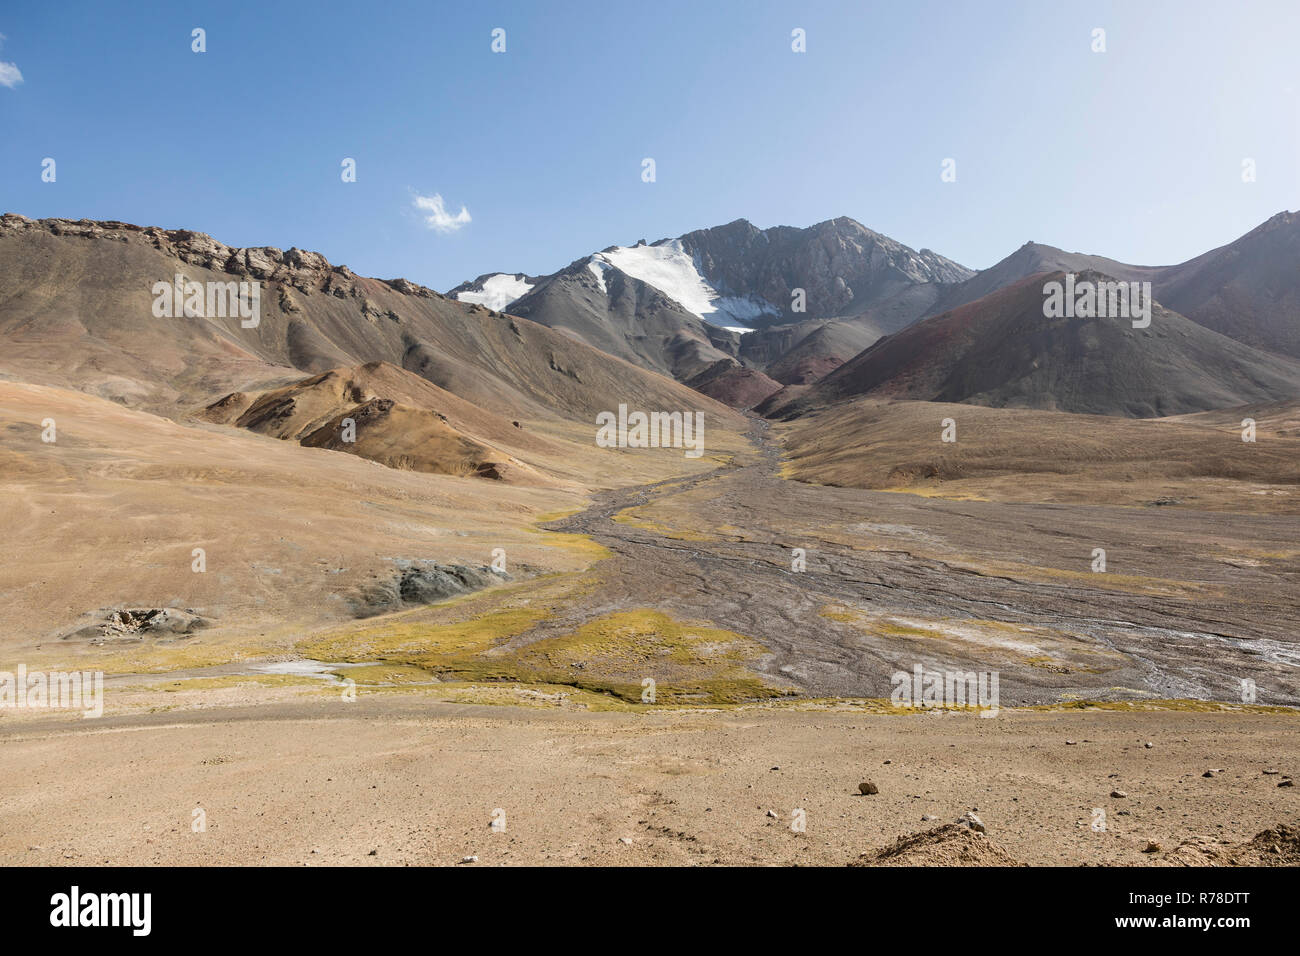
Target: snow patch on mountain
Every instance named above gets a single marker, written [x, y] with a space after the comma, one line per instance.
[673, 271]
[599, 267]
[496, 291]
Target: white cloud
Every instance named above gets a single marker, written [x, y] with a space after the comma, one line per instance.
[437, 217]
[10, 75]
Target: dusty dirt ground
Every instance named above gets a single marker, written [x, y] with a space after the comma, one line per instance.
[685, 577]
[394, 778]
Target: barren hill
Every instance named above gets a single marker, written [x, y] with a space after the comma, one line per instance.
[1003, 351]
[1249, 289]
[391, 416]
[77, 310]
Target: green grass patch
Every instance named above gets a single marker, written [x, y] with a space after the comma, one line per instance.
[398, 639]
[237, 680]
[385, 674]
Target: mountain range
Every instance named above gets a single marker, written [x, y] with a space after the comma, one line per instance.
[1000, 350]
[430, 383]
[783, 320]
[740, 312]
[681, 305]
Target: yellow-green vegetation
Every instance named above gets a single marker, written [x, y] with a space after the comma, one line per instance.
[549, 516]
[577, 544]
[393, 674]
[1046, 663]
[406, 639]
[236, 680]
[152, 658]
[934, 491]
[690, 663]
[836, 614]
[1133, 583]
[551, 696]
[885, 626]
[892, 628]
[634, 521]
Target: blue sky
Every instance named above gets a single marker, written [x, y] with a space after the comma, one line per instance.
[1135, 153]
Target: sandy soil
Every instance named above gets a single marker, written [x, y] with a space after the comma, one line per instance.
[394, 778]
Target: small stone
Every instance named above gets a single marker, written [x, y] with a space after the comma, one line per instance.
[469, 859]
[772, 814]
[970, 820]
[927, 817]
[1148, 745]
[1071, 743]
[1288, 782]
[626, 840]
[867, 788]
[374, 852]
[1151, 847]
[1118, 794]
[1269, 773]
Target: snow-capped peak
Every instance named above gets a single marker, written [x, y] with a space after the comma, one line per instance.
[669, 268]
[496, 291]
